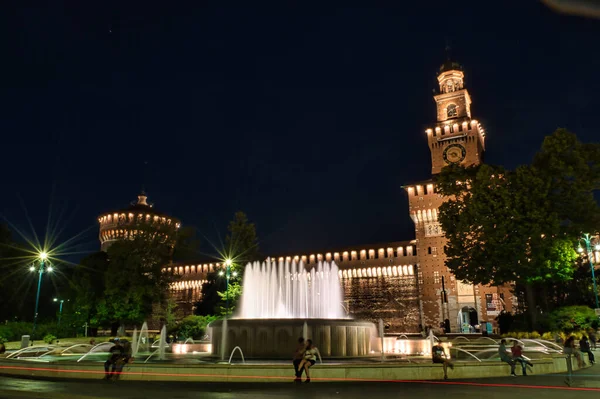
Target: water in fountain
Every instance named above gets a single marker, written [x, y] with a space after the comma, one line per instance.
[134, 343]
[162, 343]
[286, 290]
[142, 345]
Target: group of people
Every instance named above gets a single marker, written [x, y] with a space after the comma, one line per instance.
[304, 358]
[119, 356]
[439, 356]
[515, 356]
[584, 347]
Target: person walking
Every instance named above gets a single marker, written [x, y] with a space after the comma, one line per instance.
[438, 355]
[517, 357]
[505, 357]
[584, 347]
[309, 360]
[298, 356]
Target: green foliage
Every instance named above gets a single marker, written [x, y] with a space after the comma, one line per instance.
[194, 326]
[572, 170]
[242, 248]
[571, 319]
[242, 242]
[231, 295]
[521, 226]
[3, 340]
[49, 338]
[134, 280]
[500, 229]
[13, 331]
[187, 245]
[88, 286]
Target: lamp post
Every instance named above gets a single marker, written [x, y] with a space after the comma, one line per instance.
[60, 309]
[588, 249]
[228, 275]
[43, 256]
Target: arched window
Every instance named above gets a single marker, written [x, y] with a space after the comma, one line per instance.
[451, 111]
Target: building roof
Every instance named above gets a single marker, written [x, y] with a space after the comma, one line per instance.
[450, 65]
[142, 206]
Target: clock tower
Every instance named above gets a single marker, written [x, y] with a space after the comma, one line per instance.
[457, 138]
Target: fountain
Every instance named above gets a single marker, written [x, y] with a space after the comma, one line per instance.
[282, 301]
[162, 343]
[134, 343]
[142, 342]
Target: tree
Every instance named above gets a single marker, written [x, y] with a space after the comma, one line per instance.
[242, 248]
[12, 268]
[503, 228]
[187, 245]
[88, 286]
[134, 280]
[572, 170]
[242, 242]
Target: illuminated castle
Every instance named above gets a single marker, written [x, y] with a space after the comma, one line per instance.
[137, 220]
[405, 283]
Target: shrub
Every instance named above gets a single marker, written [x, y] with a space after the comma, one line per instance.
[13, 331]
[548, 336]
[571, 318]
[49, 338]
[534, 335]
[3, 340]
[194, 326]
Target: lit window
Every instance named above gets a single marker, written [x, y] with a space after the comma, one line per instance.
[436, 277]
[451, 111]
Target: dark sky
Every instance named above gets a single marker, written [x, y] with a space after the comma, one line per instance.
[307, 116]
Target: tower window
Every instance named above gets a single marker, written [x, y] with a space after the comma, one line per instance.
[451, 111]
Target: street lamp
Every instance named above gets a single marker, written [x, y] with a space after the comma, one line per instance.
[42, 257]
[588, 249]
[60, 309]
[227, 275]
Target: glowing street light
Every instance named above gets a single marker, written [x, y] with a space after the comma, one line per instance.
[590, 255]
[228, 263]
[42, 257]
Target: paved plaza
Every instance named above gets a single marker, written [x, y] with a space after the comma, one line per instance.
[586, 384]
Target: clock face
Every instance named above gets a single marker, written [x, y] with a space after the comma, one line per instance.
[454, 153]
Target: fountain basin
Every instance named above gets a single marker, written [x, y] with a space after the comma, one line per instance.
[278, 338]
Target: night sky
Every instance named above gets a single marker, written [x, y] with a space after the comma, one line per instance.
[307, 116]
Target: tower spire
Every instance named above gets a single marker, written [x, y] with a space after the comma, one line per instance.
[144, 177]
[448, 50]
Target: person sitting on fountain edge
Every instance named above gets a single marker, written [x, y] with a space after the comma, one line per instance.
[438, 355]
[309, 360]
[116, 352]
[298, 356]
[122, 360]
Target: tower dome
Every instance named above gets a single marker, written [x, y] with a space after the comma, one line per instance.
[139, 219]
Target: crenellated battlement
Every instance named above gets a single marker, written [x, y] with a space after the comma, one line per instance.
[455, 129]
[352, 263]
[139, 219]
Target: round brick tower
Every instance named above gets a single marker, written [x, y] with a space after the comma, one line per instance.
[137, 220]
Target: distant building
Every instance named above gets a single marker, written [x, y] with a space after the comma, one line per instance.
[138, 219]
